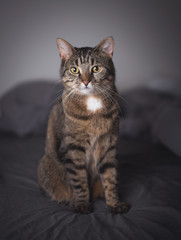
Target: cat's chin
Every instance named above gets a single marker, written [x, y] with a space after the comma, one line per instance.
[85, 91]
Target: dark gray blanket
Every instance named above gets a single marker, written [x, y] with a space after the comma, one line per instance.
[150, 181]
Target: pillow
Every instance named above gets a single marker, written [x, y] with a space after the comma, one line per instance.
[24, 109]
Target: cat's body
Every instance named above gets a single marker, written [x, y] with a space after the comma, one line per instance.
[80, 154]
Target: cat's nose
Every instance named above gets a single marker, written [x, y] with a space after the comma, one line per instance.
[85, 82]
[85, 78]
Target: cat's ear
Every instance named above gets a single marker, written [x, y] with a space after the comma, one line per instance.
[106, 46]
[65, 49]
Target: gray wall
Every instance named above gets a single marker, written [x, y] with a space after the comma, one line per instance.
[147, 37]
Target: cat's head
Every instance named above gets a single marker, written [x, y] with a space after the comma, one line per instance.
[87, 70]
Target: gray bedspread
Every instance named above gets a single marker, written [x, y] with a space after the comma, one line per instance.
[150, 181]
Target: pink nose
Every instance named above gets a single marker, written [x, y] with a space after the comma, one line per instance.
[86, 83]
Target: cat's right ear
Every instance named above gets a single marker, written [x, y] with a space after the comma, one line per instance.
[106, 46]
[65, 49]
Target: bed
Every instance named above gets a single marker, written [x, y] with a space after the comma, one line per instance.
[149, 168]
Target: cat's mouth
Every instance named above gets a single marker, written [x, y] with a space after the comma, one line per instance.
[86, 89]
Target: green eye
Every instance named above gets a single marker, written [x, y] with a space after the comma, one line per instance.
[96, 69]
[74, 70]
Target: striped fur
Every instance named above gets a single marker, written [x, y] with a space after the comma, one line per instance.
[80, 153]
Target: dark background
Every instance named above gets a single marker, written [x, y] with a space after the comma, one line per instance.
[147, 37]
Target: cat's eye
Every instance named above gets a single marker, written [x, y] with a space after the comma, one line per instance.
[74, 70]
[96, 69]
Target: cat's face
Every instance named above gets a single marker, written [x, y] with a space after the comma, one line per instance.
[87, 70]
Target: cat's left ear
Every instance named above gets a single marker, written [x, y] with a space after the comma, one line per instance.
[106, 46]
[65, 49]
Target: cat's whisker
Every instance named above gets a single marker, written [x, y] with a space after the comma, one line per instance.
[110, 97]
[58, 81]
[105, 95]
[70, 97]
[60, 103]
[58, 93]
[118, 94]
[100, 90]
[66, 97]
[56, 98]
[65, 100]
[110, 93]
[117, 103]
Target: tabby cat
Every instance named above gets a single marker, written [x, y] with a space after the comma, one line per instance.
[80, 162]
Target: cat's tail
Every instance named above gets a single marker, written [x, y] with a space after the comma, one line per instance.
[52, 179]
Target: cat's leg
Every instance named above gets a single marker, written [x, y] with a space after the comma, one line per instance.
[51, 173]
[73, 157]
[108, 174]
[51, 176]
[105, 155]
[97, 189]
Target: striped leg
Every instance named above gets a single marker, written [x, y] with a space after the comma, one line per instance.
[73, 159]
[106, 166]
[109, 179]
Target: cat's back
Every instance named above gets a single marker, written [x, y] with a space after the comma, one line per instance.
[56, 120]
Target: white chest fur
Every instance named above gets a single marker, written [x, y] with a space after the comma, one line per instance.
[93, 104]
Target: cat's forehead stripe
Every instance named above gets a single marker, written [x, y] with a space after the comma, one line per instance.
[76, 62]
[81, 59]
[92, 61]
[84, 56]
[79, 62]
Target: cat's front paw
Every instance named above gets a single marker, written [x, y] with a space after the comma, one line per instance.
[84, 208]
[121, 207]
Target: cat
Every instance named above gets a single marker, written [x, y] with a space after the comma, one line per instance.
[80, 164]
